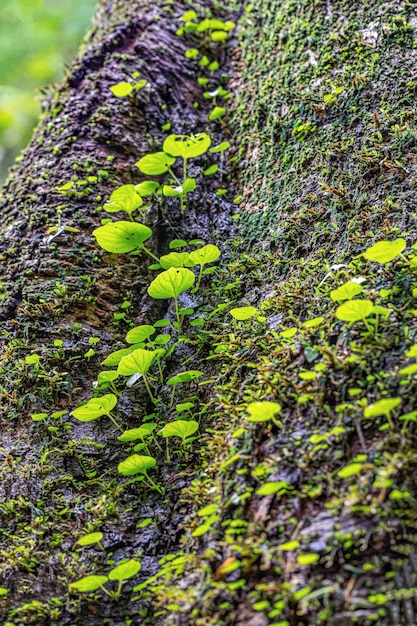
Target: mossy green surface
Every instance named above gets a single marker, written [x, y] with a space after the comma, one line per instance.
[327, 145]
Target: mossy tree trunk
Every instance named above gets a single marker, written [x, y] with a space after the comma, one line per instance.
[325, 137]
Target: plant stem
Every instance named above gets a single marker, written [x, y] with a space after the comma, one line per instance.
[151, 254]
[174, 177]
[199, 276]
[177, 314]
[167, 448]
[172, 395]
[148, 389]
[114, 421]
[154, 484]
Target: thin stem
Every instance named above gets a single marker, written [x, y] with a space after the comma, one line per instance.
[108, 593]
[160, 371]
[172, 395]
[114, 389]
[151, 254]
[114, 421]
[199, 276]
[100, 545]
[177, 180]
[167, 448]
[177, 313]
[390, 422]
[154, 484]
[119, 590]
[148, 389]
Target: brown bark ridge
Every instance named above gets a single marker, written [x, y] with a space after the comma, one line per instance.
[57, 286]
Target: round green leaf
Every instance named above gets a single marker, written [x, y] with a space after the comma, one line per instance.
[350, 470]
[308, 559]
[382, 407]
[138, 362]
[204, 255]
[138, 433]
[347, 291]
[125, 570]
[124, 198]
[186, 146]
[95, 408]
[136, 464]
[354, 310]
[89, 583]
[171, 283]
[121, 236]
[175, 259]
[90, 539]
[262, 411]
[385, 251]
[106, 377]
[179, 428]
[184, 377]
[280, 486]
[155, 164]
[217, 113]
[121, 89]
[140, 333]
[147, 188]
[115, 357]
[242, 313]
[224, 145]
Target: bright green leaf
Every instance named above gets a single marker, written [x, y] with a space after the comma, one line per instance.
[155, 164]
[385, 251]
[171, 283]
[121, 236]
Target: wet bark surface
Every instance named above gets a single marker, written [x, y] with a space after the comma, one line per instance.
[57, 285]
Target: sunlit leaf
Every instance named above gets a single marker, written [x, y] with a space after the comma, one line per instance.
[354, 310]
[125, 570]
[385, 251]
[140, 333]
[186, 146]
[179, 428]
[347, 291]
[136, 464]
[382, 407]
[171, 283]
[242, 313]
[88, 583]
[155, 164]
[95, 408]
[262, 411]
[138, 362]
[121, 236]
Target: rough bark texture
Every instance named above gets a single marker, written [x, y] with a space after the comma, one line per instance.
[325, 134]
[57, 285]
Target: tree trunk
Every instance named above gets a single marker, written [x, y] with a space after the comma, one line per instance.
[309, 514]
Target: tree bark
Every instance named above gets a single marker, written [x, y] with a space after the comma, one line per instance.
[324, 140]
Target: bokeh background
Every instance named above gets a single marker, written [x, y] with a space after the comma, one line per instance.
[37, 39]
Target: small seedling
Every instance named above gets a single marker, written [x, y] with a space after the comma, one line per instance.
[243, 313]
[385, 251]
[91, 539]
[124, 198]
[202, 256]
[171, 284]
[139, 362]
[139, 464]
[382, 408]
[264, 412]
[120, 237]
[142, 433]
[95, 408]
[122, 572]
[183, 377]
[179, 428]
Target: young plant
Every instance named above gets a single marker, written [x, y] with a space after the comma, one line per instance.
[171, 284]
[139, 362]
[124, 198]
[139, 464]
[91, 539]
[179, 428]
[182, 377]
[97, 407]
[264, 412]
[120, 237]
[142, 433]
[382, 408]
[183, 146]
[122, 572]
[202, 256]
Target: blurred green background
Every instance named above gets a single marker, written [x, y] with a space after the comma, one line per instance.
[37, 38]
